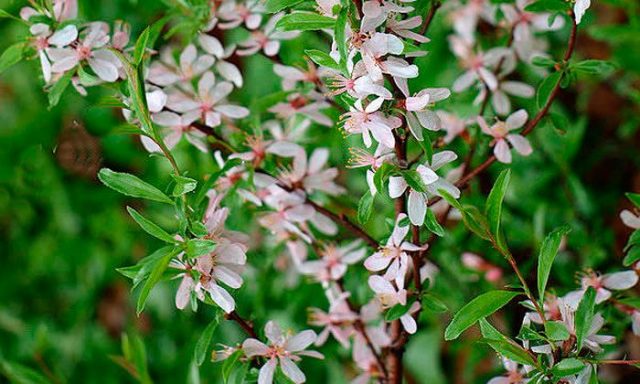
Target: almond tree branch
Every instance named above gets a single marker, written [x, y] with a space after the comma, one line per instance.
[245, 325]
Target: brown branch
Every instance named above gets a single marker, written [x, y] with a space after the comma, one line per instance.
[245, 325]
[346, 223]
[429, 18]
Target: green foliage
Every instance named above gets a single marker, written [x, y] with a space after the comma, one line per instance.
[548, 252]
[131, 185]
[302, 21]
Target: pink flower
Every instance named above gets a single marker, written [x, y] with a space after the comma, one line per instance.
[418, 113]
[62, 10]
[474, 262]
[376, 12]
[514, 375]
[404, 28]
[291, 212]
[174, 127]
[500, 96]
[267, 39]
[500, 132]
[232, 14]
[393, 256]
[338, 322]
[291, 76]
[282, 350]
[369, 121]
[308, 105]
[310, 175]
[476, 64]
[190, 65]
[227, 70]
[379, 46]
[603, 284]
[362, 158]
[225, 265]
[44, 38]
[333, 261]
[91, 49]
[209, 102]
[465, 17]
[389, 296]
[121, 35]
[452, 124]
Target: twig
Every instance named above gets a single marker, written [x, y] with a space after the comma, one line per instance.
[248, 328]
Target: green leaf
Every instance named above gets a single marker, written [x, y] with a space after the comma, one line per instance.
[158, 268]
[202, 346]
[567, 367]
[303, 21]
[20, 374]
[198, 247]
[150, 227]
[633, 254]
[546, 87]
[471, 216]
[141, 46]
[413, 178]
[183, 185]
[6, 15]
[584, 316]
[493, 206]
[381, 175]
[340, 37]
[131, 185]
[433, 304]
[511, 350]
[275, 6]
[322, 58]
[478, 308]
[548, 252]
[229, 365]
[11, 56]
[396, 312]
[431, 222]
[594, 67]
[547, 6]
[556, 331]
[634, 198]
[543, 61]
[56, 91]
[365, 207]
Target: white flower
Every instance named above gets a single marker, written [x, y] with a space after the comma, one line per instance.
[282, 350]
[630, 219]
[267, 40]
[579, 9]
[393, 256]
[334, 261]
[310, 175]
[190, 65]
[603, 284]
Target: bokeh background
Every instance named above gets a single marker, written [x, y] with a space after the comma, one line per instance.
[64, 307]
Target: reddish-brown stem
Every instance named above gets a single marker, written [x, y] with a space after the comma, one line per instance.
[429, 18]
[248, 328]
[346, 223]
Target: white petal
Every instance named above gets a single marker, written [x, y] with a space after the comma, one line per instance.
[253, 347]
[291, 370]
[221, 297]
[300, 341]
[620, 280]
[267, 371]
[502, 151]
[517, 119]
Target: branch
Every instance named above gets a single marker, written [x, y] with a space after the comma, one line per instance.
[245, 325]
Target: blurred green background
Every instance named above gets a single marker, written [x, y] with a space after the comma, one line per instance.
[64, 307]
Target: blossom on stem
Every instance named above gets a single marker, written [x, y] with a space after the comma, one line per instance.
[500, 95]
[334, 261]
[500, 132]
[369, 121]
[167, 71]
[603, 285]
[232, 14]
[267, 39]
[393, 256]
[477, 64]
[281, 350]
[379, 46]
[309, 175]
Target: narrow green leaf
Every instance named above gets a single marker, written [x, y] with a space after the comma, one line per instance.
[567, 367]
[56, 91]
[431, 222]
[229, 365]
[511, 351]
[433, 304]
[471, 216]
[478, 308]
[584, 316]
[20, 374]
[183, 185]
[322, 58]
[413, 178]
[548, 252]
[547, 6]
[141, 46]
[198, 247]
[131, 185]
[202, 346]
[158, 268]
[304, 21]
[365, 208]
[150, 227]
[543, 61]
[594, 67]
[381, 176]
[556, 331]
[11, 56]
[340, 31]
[396, 312]
[493, 206]
[275, 6]
[546, 88]
[634, 198]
